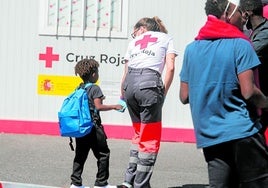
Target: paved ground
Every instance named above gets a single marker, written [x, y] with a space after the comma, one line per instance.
[47, 160]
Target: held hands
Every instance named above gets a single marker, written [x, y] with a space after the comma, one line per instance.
[122, 105]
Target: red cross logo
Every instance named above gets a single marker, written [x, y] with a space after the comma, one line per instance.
[144, 42]
[49, 57]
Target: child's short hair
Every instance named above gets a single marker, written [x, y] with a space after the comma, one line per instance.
[215, 7]
[85, 68]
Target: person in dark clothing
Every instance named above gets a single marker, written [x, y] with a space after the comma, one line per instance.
[87, 69]
[258, 26]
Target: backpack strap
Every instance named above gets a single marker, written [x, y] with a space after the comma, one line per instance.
[87, 85]
[71, 143]
[84, 86]
[92, 109]
[87, 88]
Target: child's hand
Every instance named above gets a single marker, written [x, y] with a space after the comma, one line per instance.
[123, 105]
[118, 107]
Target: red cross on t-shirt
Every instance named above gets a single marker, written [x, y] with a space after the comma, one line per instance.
[145, 40]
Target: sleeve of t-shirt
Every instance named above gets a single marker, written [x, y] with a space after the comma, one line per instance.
[170, 48]
[184, 76]
[246, 56]
[96, 92]
[93, 93]
[260, 41]
[127, 55]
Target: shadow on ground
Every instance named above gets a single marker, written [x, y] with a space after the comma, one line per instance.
[192, 186]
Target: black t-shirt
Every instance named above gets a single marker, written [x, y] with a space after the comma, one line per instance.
[259, 39]
[94, 92]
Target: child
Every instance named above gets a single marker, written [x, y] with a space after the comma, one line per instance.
[87, 69]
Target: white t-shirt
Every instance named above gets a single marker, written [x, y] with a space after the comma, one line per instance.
[149, 50]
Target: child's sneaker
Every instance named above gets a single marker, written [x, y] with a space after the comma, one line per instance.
[74, 186]
[106, 186]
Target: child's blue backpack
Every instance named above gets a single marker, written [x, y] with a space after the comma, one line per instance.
[74, 116]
